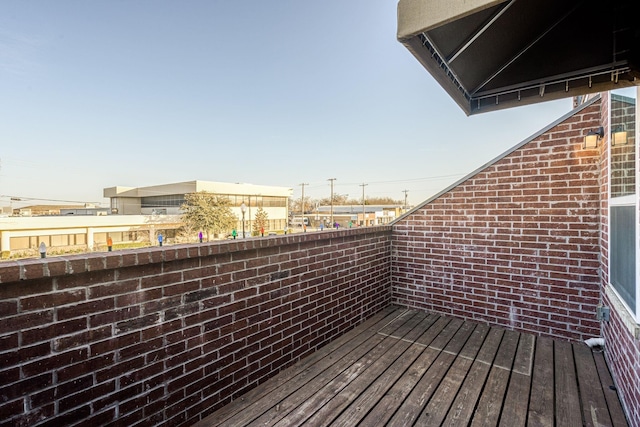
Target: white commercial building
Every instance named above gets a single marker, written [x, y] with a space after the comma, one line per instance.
[166, 200]
[137, 216]
[65, 233]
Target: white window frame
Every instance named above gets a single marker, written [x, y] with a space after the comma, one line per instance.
[631, 200]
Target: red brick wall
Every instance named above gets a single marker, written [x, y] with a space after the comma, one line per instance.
[515, 245]
[163, 336]
[623, 358]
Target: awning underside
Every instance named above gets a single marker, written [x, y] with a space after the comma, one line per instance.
[524, 51]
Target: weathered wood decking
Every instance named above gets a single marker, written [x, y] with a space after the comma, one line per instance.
[406, 367]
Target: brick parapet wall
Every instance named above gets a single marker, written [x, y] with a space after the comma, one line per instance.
[163, 336]
[515, 245]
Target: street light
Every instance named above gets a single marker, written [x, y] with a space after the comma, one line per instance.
[243, 209]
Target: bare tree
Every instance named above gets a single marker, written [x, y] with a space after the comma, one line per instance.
[382, 201]
[295, 205]
[338, 199]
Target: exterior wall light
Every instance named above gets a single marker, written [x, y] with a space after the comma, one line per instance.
[619, 136]
[592, 138]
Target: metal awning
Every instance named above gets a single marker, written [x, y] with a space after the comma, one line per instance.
[490, 54]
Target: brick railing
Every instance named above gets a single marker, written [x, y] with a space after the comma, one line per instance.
[163, 336]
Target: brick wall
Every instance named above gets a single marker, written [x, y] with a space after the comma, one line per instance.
[162, 336]
[516, 244]
[623, 358]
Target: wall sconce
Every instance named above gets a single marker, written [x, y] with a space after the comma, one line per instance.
[619, 136]
[592, 138]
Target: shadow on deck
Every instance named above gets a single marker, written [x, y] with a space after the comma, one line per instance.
[407, 367]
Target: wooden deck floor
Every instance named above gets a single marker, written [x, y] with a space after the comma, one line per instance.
[406, 367]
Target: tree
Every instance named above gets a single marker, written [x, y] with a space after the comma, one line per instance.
[208, 212]
[260, 221]
[338, 199]
[295, 205]
[382, 201]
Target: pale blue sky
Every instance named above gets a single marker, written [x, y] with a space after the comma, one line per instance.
[96, 94]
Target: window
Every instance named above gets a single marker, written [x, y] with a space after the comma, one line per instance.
[59, 240]
[622, 252]
[168, 201]
[99, 238]
[21, 243]
[623, 145]
[623, 201]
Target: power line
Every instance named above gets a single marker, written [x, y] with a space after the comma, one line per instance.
[395, 181]
[409, 179]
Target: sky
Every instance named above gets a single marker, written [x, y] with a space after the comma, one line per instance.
[96, 94]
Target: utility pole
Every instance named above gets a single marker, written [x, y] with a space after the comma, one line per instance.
[11, 200]
[364, 222]
[405, 199]
[331, 179]
[302, 206]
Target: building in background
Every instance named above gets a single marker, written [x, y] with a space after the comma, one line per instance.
[166, 199]
[21, 235]
[135, 218]
[356, 215]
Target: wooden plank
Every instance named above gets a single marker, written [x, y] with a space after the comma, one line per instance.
[328, 366]
[369, 401]
[438, 407]
[424, 389]
[377, 377]
[465, 402]
[542, 385]
[568, 412]
[445, 337]
[618, 419]
[393, 326]
[475, 342]
[490, 405]
[388, 405]
[523, 362]
[372, 363]
[594, 405]
[514, 410]
[309, 367]
[413, 328]
[436, 330]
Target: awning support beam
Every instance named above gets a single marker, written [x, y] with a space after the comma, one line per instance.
[479, 32]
